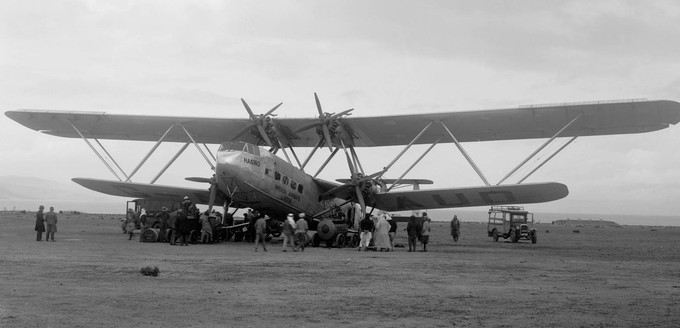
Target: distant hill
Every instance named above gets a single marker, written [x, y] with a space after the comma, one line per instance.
[26, 193]
[586, 223]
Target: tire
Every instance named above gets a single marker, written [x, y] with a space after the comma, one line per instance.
[340, 241]
[513, 236]
[533, 239]
[495, 235]
[354, 241]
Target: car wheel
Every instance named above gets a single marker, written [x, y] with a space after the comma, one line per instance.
[340, 241]
[495, 235]
[533, 239]
[513, 236]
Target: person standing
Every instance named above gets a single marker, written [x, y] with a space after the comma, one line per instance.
[163, 218]
[288, 232]
[455, 228]
[39, 223]
[366, 232]
[183, 228]
[412, 229]
[425, 234]
[260, 232]
[172, 227]
[206, 228]
[392, 232]
[382, 234]
[301, 228]
[51, 221]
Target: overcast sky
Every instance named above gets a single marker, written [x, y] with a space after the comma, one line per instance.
[197, 58]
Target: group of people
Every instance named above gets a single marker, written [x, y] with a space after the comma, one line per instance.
[418, 229]
[381, 230]
[294, 232]
[48, 219]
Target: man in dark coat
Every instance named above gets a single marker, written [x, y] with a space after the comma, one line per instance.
[413, 229]
[39, 223]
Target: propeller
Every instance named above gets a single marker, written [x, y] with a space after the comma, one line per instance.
[358, 181]
[213, 188]
[260, 122]
[326, 121]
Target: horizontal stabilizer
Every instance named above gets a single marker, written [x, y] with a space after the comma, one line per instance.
[147, 191]
[471, 196]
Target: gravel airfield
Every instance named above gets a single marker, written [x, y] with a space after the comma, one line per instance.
[90, 277]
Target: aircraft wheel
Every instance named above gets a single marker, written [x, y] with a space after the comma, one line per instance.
[495, 235]
[340, 241]
[228, 234]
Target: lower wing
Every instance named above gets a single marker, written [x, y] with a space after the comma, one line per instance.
[472, 196]
[148, 191]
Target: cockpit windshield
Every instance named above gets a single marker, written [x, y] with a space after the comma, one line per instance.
[240, 146]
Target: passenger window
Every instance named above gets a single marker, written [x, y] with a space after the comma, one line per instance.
[300, 188]
[277, 175]
[285, 180]
[293, 184]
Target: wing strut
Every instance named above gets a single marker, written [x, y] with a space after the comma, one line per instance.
[546, 143]
[96, 152]
[547, 159]
[467, 157]
[158, 143]
[172, 160]
[212, 167]
[414, 164]
[111, 157]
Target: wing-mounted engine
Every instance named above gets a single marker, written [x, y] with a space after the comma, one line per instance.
[330, 127]
[265, 128]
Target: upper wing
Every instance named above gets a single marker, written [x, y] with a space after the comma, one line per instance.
[472, 196]
[151, 191]
[503, 124]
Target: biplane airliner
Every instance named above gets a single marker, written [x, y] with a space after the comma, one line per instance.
[249, 173]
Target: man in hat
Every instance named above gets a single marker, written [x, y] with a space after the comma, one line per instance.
[39, 223]
[51, 220]
[365, 232]
[425, 234]
[288, 232]
[301, 228]
[393, 230]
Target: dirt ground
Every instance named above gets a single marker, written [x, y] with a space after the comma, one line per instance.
[90, 277]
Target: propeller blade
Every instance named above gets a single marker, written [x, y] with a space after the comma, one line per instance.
[264, 136]
[250, 112]
[242, 131]
[360, 196]
[213, 193]
[272, 110]
[318, 105]
[327, 135]
[342, 113]
[198, 179]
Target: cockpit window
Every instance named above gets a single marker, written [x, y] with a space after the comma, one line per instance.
[240, 146]
[232, 145]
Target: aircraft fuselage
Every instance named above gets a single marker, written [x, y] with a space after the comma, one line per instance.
[261, 180]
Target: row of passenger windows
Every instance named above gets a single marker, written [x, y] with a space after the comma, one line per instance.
[284, 179]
